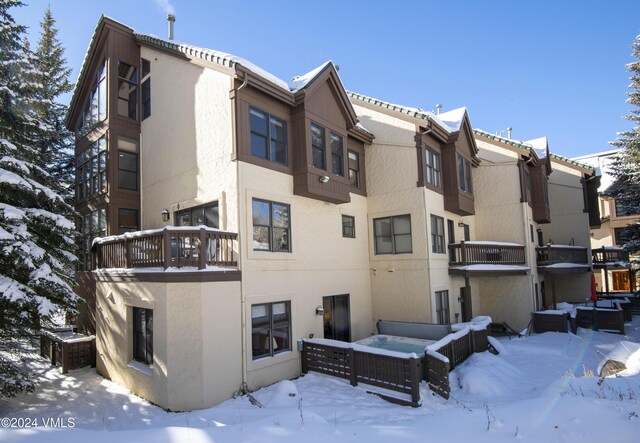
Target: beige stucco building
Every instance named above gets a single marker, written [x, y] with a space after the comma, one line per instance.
[615, 272]
[236, 214]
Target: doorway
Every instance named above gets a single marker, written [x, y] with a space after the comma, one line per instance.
[337, 318]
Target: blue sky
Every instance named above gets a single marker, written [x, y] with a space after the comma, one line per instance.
[554, 68]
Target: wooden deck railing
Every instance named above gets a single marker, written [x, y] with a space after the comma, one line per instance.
[169, 247]
[552, 254]
[609, 255]
[399, 374]
[477, 253]
[443, 356]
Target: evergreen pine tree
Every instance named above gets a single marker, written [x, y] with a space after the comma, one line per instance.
[626, 188]
[36, 240]
[55, 144]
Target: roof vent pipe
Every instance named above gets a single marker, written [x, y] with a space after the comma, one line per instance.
[438, 108]
[509, 129]
[170, 21]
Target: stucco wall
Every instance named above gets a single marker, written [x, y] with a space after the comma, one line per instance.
[186, 143]
[403, 285]
[507, 299]
[322, 263]
[191, 333]
[566, 203]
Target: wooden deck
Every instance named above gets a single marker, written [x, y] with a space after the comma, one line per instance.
[169, 247]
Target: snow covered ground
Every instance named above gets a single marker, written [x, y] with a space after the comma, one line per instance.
[542, 388]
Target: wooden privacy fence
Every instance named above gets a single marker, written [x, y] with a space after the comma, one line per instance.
[68, 349]
[464, 253]
[168, 247]
[608, 320]
[550, 321]
[444, 355]
[383, 369]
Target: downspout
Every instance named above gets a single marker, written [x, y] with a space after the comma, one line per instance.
[243, 300]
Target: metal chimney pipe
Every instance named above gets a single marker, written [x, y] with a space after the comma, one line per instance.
[509, 132]
[170, 21]
[438, 108]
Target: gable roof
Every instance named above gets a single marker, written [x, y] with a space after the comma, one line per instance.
[237, 65]
[535, 147]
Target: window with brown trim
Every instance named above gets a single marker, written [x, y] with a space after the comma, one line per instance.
[442, 307]
[268, 136]
[128, 220]
[337, 154]
[433, 173]
[207, 215]
[270, 329]
[271, 226]
[354, 168]
[91, 170]
[95, 107]
[625, 207]
[92, 225]
[127, 90]
[392, 235]
[622, 236]
[437, 234]
[127, 163]
[348, 226]
[145, 89]
[318, 146]
[464, 175]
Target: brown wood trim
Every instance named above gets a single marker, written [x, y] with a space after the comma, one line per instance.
[168, 277]
[547, 270]
[243, 100]
[358, 147]
[467, 273]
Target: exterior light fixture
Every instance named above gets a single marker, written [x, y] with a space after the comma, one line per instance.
[539, 230]
[319, 310]
[324, 179]
[165, 215]
[461, 223]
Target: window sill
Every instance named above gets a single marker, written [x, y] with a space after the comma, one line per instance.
[279, 358]
[141, 367]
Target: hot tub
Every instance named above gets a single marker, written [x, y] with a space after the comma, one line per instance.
[397, 344]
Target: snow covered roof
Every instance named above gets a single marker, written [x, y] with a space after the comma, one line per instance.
[233, 62]
[229, 60]
[540, 145]
[535, 145]
[452, 124]
[453, 118]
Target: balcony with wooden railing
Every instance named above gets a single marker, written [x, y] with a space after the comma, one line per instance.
[562, 258]
[487, 258]
[192, 248]
[610, 257]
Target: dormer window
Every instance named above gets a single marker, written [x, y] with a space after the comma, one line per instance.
[318, 146]
[268, 136]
